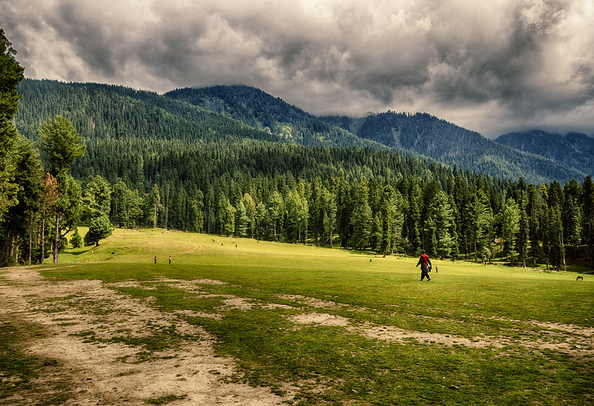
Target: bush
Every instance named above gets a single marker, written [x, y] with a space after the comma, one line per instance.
[76, 240]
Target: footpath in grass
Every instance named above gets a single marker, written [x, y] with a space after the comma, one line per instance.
[321, 326]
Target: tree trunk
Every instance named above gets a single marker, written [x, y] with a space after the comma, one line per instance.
[155, 215]
[30, 236]
[57, 240]
[167, 207]
[42, 244]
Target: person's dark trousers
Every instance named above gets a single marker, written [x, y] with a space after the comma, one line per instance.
[425, 272]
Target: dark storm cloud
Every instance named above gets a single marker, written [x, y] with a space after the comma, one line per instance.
[489, 66]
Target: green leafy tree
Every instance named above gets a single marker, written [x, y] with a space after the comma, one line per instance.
[96, 198]
[11, 73]
[297, 210]
[99, 229]
[523, 237]
[60, 145]
[242, 220]
[510, 227]
[587, 200]
[329, 209]
[275, 210]
[362, 217]
[153, 205]
[21, 220]
[439, 224]
[226, 216]
[572, 214]
[76, 241]
[534, 210]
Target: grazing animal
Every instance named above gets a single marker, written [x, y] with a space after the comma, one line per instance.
[580, 277]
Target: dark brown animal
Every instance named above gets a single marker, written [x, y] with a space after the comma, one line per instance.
[580, 277]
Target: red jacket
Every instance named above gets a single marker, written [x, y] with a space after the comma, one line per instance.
[424, 260]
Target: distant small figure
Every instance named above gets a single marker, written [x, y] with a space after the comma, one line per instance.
[370, 260]
[155, 259]
[436, 269]
[580, 277]
[169, 259]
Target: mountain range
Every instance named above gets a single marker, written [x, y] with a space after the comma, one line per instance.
[574, 149]
[420, 134]
[231, 113]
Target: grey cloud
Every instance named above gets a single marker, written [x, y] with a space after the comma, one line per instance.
[479, 64]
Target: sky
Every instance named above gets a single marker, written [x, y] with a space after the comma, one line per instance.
[492, 66]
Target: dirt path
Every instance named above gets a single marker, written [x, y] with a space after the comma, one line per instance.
[83, 321]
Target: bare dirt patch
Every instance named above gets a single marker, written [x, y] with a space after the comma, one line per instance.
[320, 318]
[100, 339]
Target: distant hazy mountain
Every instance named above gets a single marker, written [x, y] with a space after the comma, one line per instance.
[453, 145]
[574, 149]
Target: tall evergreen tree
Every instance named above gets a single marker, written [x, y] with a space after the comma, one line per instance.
[11, 73]
[587, 199]
[362, 217]
[60, 145]
[572, 214]
[510, 227]
[96, 198]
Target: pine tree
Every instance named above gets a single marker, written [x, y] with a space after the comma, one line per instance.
[96, 198]
[362, 217]
[60, 145]
[510, 227]
[11, 73]
[587, 200]
[572, 214]
[99, 229]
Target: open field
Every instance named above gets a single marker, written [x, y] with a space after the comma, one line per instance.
[241, 322]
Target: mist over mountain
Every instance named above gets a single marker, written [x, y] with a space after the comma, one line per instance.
[574, 149]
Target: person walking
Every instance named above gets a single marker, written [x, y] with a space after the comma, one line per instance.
[425, 263]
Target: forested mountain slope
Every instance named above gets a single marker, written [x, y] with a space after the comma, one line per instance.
[144, 138]
[574, 149]
[453, 145]
[105, 111]
[271, 114]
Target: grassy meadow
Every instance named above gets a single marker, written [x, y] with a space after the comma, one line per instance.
[472, 335]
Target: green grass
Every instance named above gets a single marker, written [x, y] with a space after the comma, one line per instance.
[337, 365]
[19, 370]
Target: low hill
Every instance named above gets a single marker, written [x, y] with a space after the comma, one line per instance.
[453, 145]
[575, 150]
